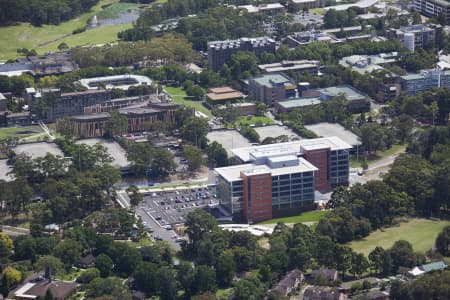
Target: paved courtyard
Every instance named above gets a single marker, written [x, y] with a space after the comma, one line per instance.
[333, 129]
[38, 149]
[114, 149]
[275, 131]
[229, 139]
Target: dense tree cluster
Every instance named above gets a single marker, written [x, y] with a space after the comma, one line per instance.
[343, 18]
[67, 189]
[39, 12]
[145, 156]
[170, 47]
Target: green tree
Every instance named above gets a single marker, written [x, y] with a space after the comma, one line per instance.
[376, 258]
[217, 155]
[402, 254]
[50, 264]
[63, 46]
[226, 268]
[359, 264]
[194, 157]
[135, 195]
[198, 223]
[11, 277]
[443, 241]
[146, 278]
[104, 264]
[69, 251]
[194, 130]
[117, 124]
[205, 279]
[88, 275]
[343, 258]
[249, 288]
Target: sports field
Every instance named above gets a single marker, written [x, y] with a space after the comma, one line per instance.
[306, 217]
[421, 233]
[48, 37]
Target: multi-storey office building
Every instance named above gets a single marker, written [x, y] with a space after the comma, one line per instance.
[416, 36]
[280, 179]
[220, 52]
[52, 104]
[433, 8]
[425, 80]
[271, 88]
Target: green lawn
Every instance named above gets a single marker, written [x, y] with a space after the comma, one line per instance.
[395, 149]
[19, 132]
[310, 216]
[318, 10]
[179, 96]
[255, 120]
[421, 233]
[48, 37]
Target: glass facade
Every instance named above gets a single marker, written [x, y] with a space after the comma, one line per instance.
[338, 167]
[292, 190]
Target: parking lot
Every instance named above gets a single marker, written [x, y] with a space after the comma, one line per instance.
[274, 131]
[114, 149]
[229, 139]
[171, 207]
[334, 129]
[38, 149]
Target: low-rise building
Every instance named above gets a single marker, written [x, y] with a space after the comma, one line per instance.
[221, 95]
[289, 283]
[356, 100]
[311, 67]
[139, 119]
[60, 290]
[323, 293]
[307, 37]
[122, 82]
[264, 8]
[271, 88]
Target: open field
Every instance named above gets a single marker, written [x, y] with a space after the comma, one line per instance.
[179, 96]
[48, 37]
[395, 149]
[19, 132]
[310, 216]
[421, 233]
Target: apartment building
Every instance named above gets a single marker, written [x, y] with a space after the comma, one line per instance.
[271, 88]
[220, 52]
[280, 179]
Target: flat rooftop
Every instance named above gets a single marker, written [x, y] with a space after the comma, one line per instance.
[233, 173]
[275, 79]
[289, 65]
[299, 102]
[116, 81]
[229, 139]
[349, 92]
[333, 142]
[334, 129]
